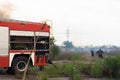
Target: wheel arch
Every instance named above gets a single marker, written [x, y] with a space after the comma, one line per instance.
[22, 55]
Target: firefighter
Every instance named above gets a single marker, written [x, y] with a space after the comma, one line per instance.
[92, 53]
[100, 53]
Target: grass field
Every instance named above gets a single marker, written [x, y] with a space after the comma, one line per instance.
[80, 66]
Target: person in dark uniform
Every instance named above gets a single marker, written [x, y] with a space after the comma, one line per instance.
[100, 53]
[92, 53]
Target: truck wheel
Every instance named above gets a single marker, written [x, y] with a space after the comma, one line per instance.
[19, 64]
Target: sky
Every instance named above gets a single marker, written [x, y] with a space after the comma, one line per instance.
[90, 22]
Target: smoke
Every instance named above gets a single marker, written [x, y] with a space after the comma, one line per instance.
[6, 10]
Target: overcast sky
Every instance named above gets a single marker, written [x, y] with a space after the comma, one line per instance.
[91, 22]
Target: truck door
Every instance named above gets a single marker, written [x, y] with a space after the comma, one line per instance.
[4, 46]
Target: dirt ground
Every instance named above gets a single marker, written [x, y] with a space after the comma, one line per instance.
[8, 77]
[12, 77]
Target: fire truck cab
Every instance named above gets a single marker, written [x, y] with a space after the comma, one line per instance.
[19, 40]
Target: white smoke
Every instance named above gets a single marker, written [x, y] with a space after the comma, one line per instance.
[6, 10]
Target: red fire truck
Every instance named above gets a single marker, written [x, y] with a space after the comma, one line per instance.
[19, 40]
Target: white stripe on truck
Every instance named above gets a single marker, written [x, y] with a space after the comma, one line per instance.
[28, 33]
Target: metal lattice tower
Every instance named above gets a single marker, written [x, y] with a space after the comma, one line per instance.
[68, 34]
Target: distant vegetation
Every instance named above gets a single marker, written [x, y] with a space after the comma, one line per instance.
[67, 45]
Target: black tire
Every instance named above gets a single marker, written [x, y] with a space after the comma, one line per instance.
[19, 64]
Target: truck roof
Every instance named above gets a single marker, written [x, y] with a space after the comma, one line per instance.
[24, 25]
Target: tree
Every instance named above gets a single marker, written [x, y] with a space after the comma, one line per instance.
[68, 44]
[52, 41]
[55, 50]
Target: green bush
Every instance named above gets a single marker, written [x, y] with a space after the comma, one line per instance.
[32, 73]
[96, 69]
[72, 70]
[76, 73]
[80, 66]
[68, 69]
[42, 76]
[32, 70]
[64, 69]
[112, 66]
[86, 69]
[55, 50]
[118, 67]
[51, 71]
[77, 76]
